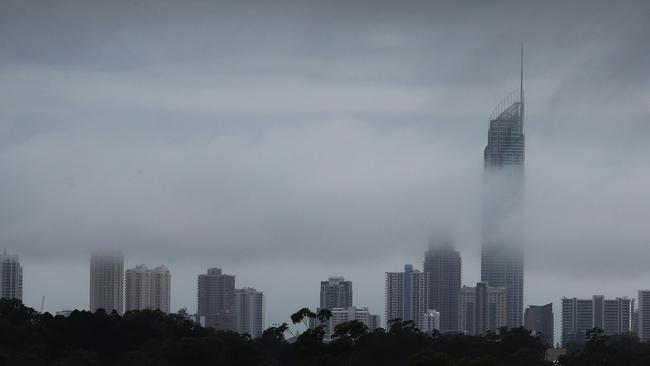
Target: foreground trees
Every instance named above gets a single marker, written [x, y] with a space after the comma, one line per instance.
[146, 338]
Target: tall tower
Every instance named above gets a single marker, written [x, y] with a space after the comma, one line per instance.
[249, 311]
[11, 277]
[216, 296]
[443, 263]
[502, 254]
[336, 292]
[107, 281]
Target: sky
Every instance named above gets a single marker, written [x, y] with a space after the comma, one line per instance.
[289, 141]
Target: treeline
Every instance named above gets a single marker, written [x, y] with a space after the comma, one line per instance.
[148, 338]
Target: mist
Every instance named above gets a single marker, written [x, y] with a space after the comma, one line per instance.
[286, 143]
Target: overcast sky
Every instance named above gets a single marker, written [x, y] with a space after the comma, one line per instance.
[289, 141]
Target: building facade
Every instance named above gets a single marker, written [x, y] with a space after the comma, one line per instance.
[539, 320]
[502, 252]
[249, 311]
[613, 316]
[336, 292]
[406, 295]
[431, 321]
[482, 308]
[643, 315]
[107, 281]
[443, 263]
[215, 299]
[147, 288]
[11, 277]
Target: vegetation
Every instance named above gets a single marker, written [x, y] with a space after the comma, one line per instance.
[148, 338]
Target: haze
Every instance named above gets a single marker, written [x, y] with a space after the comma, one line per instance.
[289, 141]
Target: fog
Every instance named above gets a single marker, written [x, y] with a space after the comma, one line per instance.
[288, 142]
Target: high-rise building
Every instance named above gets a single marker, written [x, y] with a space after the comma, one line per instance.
[137, 288]
[539, 320]
[407, 295]
[249, 311]
[148, 288]
[614, 316]
[443, 264]
[160, 289]
[482, 308]
[342, 315]
[336, 292]
[502, 253]
[216, 295]
[643, 315]
[430, 321]
[11, 277]
[107, 281]
[374, 322]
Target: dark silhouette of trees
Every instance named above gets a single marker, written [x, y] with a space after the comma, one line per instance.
[152, 338]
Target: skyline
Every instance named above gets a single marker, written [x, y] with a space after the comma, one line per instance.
[317, 143]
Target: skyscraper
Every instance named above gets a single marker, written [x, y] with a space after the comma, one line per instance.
[443, 264]
[502, 253]
[614, 316]
[539, 320]
[11, 277]
[216, 295]
[249, 311]
[137, 284]
[160, 289]
[643, 315]
[407, 295]
[336, 292]
[107, 281]
[482, 308]
[148, 288]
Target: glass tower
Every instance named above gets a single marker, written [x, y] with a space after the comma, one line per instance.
[502, 254]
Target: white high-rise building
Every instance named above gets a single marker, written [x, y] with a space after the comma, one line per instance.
[482, 308]
[148, 288]
[107, 281]
[643, 315]
[160, 289]
[613, 316]
[430, 321]
[11, 277]
[407, 295]
[249, 311]
[137, 288]
[342, 315]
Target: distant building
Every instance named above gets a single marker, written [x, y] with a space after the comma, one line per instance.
[148, 288]
[107, 281]
[430, 321]
[11, 277]
[614, 316]
[482, 308]
[216, 295]
[407, 295]
[249, 311]
[191, 317]
[443, 263]
[336, 292]
[539, 320]
[342, 315]
[643, 314]
[374, 322]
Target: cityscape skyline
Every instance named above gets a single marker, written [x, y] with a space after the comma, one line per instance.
[321, 141]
